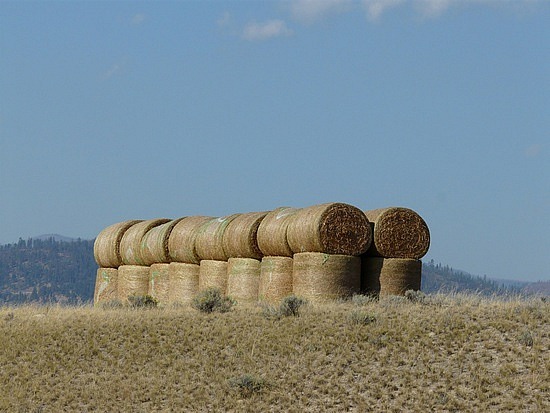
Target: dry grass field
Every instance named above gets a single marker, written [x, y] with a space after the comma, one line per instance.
[444, 354]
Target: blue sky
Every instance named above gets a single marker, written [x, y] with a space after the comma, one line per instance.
[119, 110]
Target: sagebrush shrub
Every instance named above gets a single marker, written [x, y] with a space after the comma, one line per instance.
[247, 384]
[212, 300]
[142, 301]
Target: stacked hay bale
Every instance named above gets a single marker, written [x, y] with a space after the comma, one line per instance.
[392, 265]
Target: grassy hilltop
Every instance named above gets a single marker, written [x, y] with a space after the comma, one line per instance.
[443, 353]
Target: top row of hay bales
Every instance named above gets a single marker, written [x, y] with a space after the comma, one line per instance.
[333, 228]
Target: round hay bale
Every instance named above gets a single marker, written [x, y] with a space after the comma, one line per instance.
[154, 244]
[130, 244]
[105, 285]
[213, 274]
[390, 276]
[320, 277]
[133, 280]
[243, 279]
[333, 228]
[209, 241]
[275, 279]
[159, 283]
[181, 243]
[107, 244]
[184, 282]
[272, 232]
[240, 237]
[398, 233]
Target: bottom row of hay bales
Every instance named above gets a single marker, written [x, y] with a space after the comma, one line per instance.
[316, 277]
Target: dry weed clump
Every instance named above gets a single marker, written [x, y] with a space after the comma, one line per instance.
[447, 353]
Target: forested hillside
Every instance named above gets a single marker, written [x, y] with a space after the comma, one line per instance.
[48, 270]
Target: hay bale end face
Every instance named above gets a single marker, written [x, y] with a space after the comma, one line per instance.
[106, 285]
[275, 279]
[243, 279]
[213, 274]
[272, 233]
[209, 240]
[154, 244]
[398, 233]
[184, 282]
[320, 277]
[107, 244]
[181, 243]
[334, 228]
[390, 276]
[130, 245]
[240, 238]
[159, 283]
[133, 280]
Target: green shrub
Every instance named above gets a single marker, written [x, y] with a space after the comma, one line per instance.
[247, 384]
[415, 296]
[142, 301]
[211, 300]
[361, 317]
[290, 306]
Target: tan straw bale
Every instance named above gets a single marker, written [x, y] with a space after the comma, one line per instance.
[243, 279]
[107, 244]
[272, 239]
[398, 233]
[154, 244]
[105, 285]
[240, 236]
[333, 228]
[213, 274]
[130, 245]
[181, 244]
[275, 279]
[209, 241]
[320, 277]
[390, 276]
[159, 283]
[133, 280]
[184, 282]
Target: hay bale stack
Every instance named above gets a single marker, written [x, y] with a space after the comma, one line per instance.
[320, 277]
[275, 279]
[105, 285]
[130, 244]
[181, 243]
[243, 279]
[209, 241]
[390, 276]
[133, 280]
[159, 283]
[154, 244]
[398, 233]
[333, 228]
[240, 237]
[272, 231]
[107, 244]
[184, 282]
[213, 274]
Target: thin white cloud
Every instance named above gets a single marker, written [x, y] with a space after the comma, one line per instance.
[225, 20]
[138, 18]
[308, 11]
[116, 69]
[375, 8]
[533, 151]
[267, 30]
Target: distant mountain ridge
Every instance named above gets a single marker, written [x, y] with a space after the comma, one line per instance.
[60, 269]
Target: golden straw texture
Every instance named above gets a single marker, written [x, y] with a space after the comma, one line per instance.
[181, 244]
[333, 228]
[209, 241]
[390, 276]
[320, 277]
[106, 285]
[133, 280]
[130, 245]
[275, 279]
[154, 244]
[272, 232]
[240, 236]
[107, 244]
[398, 233]
[184, 282]
[213, 274]
[159, 283]
[243, 279]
